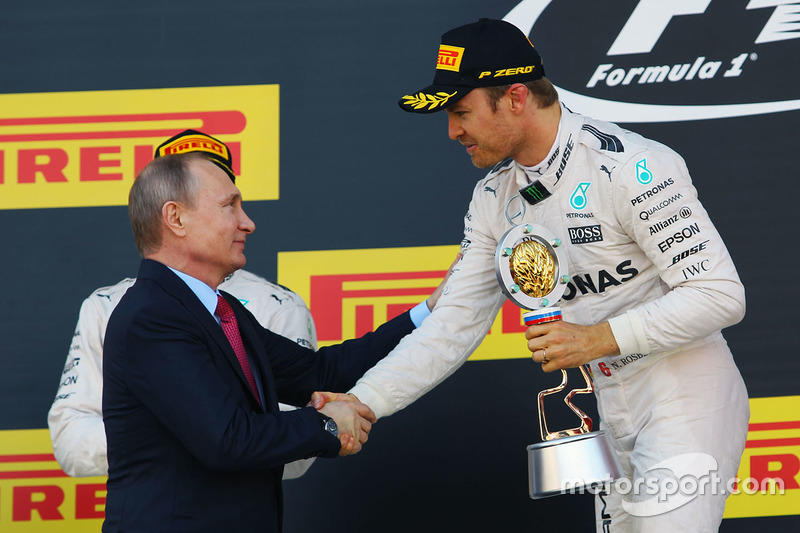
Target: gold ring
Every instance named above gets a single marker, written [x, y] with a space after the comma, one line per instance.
[544, 356]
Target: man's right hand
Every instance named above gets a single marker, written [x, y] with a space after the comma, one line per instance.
[354, 420]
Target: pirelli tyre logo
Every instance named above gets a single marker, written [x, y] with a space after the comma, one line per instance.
[449, 57]
[351, 292]
[84, 149]
[37, 496]
[768, 483]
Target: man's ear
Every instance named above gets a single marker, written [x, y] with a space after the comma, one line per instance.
[172, 215]
[517, 97]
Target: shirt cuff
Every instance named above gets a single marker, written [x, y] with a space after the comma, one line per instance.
[419, 313]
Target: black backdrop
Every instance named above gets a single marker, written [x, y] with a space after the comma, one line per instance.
[455, 460]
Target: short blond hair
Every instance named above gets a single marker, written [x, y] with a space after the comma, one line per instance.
[544, 92]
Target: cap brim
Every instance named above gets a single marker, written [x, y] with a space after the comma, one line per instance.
[433, 98]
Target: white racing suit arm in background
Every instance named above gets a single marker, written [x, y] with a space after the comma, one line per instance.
[446, 339]
[703, 293]
[76, 418]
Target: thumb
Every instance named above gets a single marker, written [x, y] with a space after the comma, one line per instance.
[319, 399]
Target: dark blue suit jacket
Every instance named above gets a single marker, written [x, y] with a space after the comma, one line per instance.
[189, 446]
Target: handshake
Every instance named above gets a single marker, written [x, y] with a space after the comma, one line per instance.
[353, 418]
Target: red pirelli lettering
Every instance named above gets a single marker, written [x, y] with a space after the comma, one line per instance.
[773, 426]
[49, 162]
[211, 122]
[512, 318]
[91, 164]
[328, 294]
[88, 501]
[783, 467]
[30, 474]
[44, 500]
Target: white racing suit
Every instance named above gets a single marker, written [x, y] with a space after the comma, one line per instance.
[76, 418]
[643, 255]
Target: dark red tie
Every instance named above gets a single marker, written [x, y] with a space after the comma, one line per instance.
[231, 328]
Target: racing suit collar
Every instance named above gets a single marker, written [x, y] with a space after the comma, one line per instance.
[547, 179]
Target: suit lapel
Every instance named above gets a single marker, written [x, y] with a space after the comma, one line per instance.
[174, 286]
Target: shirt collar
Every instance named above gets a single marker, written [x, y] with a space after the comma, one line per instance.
[204, 293]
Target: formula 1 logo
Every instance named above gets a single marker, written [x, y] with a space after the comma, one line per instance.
[351, 292]
[657, 51]
[82, 149]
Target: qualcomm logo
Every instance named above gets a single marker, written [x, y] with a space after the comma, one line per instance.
[646, 24]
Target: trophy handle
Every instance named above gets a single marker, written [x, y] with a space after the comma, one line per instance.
[586, 422]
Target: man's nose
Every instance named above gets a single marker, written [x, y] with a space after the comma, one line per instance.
[454, 129]
[246, 224]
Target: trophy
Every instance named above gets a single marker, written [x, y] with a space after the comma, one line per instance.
[529, 264]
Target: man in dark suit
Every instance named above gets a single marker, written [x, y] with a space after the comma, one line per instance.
[196, 441]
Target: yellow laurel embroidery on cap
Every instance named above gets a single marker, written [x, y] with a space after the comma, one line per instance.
[422, 100]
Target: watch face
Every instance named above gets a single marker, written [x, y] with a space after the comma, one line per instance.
[330, 427]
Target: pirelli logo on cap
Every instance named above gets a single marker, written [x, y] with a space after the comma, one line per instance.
[195, 143]
[449, 57]
[352, 292]
[84, 149]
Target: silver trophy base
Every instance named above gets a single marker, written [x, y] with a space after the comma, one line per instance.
[570, 464]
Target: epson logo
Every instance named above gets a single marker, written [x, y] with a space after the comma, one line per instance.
[679, 236]
[661, 54]
[585, 234]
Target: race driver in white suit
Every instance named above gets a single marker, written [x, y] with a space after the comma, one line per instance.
[652, 283]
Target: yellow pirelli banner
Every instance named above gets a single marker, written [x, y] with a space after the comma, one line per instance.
[81, 149]
[37, 496]
[769, 475]
[350, 292]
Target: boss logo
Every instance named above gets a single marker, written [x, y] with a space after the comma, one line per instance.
[585, 234]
